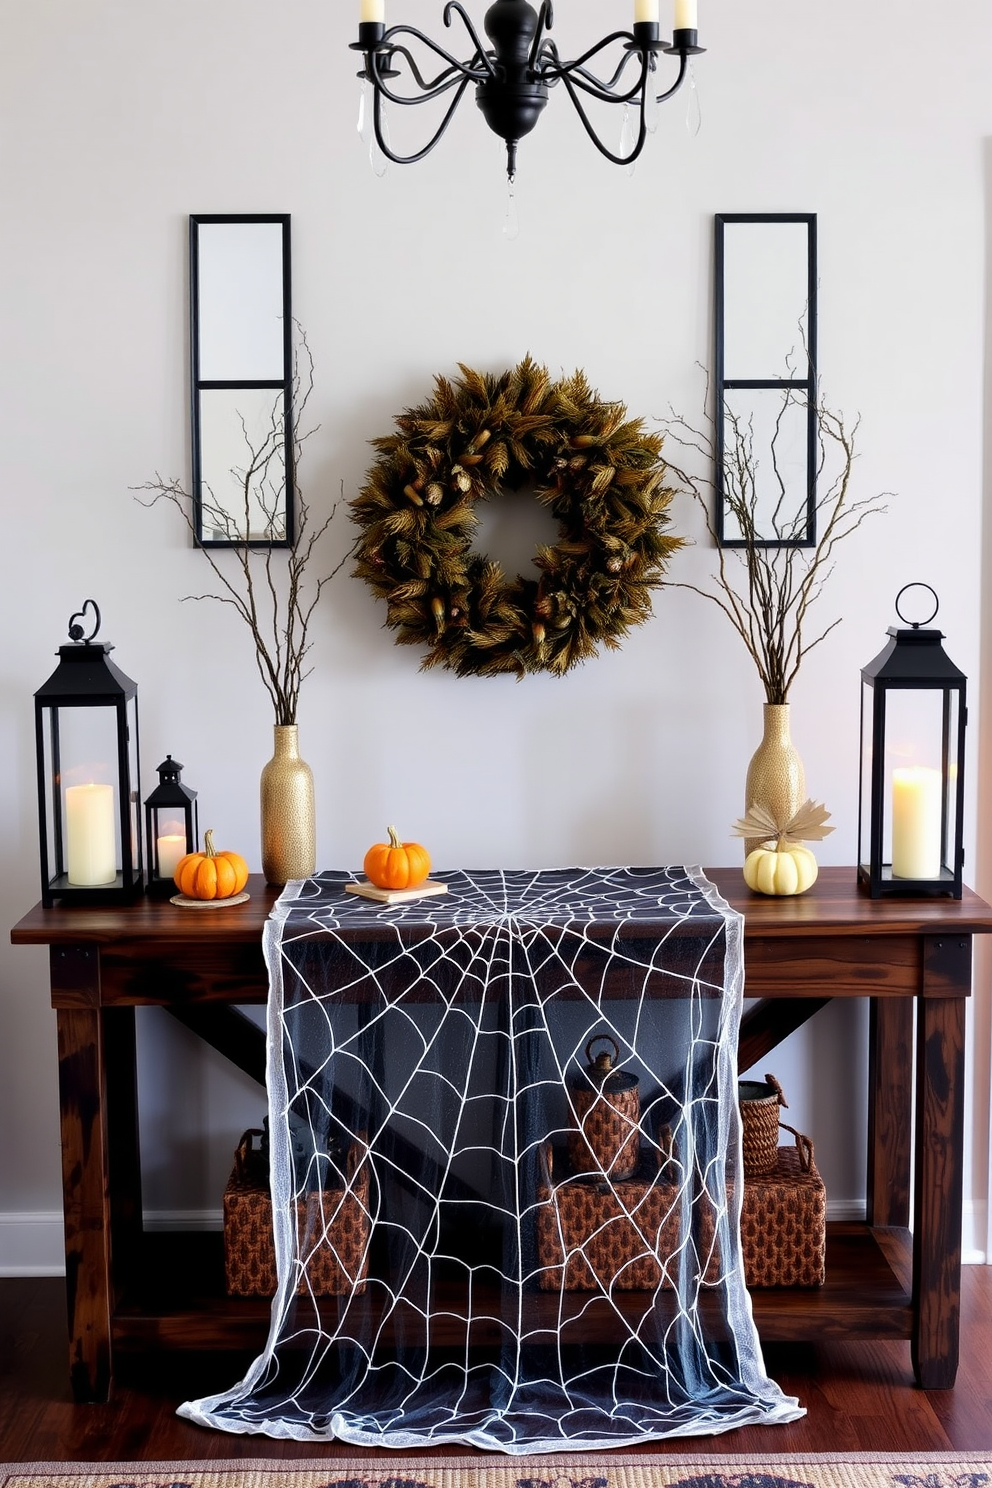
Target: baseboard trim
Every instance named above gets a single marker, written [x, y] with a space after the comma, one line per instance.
[32, 1244]
[845, 1211]
[183, 1219]
[975, 1233]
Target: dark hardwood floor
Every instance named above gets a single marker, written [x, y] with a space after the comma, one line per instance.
[858, 1396]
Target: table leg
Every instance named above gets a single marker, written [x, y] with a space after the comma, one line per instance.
[75, 974]
[123, 1149]
[890, 1109]
[940, 1039]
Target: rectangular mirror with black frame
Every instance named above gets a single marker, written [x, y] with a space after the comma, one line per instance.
[241, 381]
[765, 379]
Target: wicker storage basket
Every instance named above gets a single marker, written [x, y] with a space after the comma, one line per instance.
[625, 1235]
[332, 1226]
[759, 1105]
[783, 1221]
[607, 1107]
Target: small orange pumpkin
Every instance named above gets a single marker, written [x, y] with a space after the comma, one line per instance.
[211, 874]
[397, 865]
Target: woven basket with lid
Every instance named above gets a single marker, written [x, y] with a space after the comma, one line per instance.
[332, 1228]
[606, 1105]
[760, 1104]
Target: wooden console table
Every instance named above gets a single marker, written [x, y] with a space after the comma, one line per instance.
[882, 1281]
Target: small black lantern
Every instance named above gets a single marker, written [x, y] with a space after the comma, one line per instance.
[171, 826]
[86, 730]
[913, 718]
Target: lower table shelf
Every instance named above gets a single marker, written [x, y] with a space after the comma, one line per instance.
[178, 1300]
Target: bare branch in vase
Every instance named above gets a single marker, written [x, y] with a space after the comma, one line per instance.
[768, 590]
[271, 591]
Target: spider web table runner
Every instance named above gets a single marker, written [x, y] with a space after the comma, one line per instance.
[480, 1238]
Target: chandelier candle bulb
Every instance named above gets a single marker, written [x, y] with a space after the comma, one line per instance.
[90, 846]
[646, 10]
[685, 15]
[373, 10]
[916, 820]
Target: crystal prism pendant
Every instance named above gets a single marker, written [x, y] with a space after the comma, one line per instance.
[693, 113]
[652, 108]
[511, 221]
[377, 159]
[627, 138]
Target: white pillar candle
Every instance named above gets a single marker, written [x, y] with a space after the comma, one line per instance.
[171, 848]
[91, 848]
[646, 10]
[373, 10]
[685, 15]
[916, 814]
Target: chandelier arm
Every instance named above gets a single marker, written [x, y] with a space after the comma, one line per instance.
[480, 51]
[561, 68]
[596, 88]
[548, 77]
[570, 87]
[419, 155]
[551, 75]
[683, 69]
[449, 78]
[387, 49]
[545, 20]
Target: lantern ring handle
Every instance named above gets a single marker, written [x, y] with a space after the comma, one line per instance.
[601, 1038]
[78, 632]
[905, 618]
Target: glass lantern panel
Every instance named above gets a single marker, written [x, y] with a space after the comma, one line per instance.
[169, 840]
[82, 758]
[952, 734]
[864, 815]
[914, 833]
[134, 782]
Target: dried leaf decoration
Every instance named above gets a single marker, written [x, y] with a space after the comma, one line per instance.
[763, 824]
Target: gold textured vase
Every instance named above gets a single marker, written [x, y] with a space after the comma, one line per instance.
[775, 776]
[289, 835]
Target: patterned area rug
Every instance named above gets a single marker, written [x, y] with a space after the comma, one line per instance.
[842, 1470]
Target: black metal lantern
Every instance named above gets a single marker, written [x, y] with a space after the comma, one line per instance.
[913, 718]
[171, 826]
[86, 728]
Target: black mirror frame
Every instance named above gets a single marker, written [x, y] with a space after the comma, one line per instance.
[804, 385]
[198, 384]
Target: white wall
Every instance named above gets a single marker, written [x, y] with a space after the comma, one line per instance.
[120, 117]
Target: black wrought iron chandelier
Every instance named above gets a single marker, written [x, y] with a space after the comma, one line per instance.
[514, 75]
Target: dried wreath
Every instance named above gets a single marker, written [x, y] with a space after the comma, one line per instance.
[600, 475]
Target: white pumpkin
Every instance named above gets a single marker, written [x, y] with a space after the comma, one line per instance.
[788, 868]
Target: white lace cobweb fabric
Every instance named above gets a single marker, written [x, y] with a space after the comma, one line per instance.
[426, 1070]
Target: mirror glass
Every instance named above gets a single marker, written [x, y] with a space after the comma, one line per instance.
[241, 360]
[765, 379]
[772, 428]
[241, 300]
[242, 446]
[765, 298]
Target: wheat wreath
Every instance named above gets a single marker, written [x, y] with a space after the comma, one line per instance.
[598, 472]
